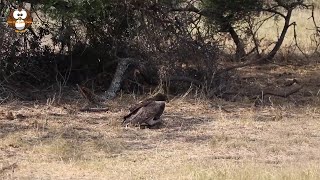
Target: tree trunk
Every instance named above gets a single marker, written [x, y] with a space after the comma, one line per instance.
[282, 35]
[117, 79]
[240, 52]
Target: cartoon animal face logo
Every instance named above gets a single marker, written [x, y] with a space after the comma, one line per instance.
[19, 19]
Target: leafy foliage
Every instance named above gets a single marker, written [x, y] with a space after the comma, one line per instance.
[224, 12]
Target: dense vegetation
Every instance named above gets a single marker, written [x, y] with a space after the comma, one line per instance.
[136, 45]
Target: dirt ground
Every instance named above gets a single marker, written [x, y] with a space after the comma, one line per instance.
[199, 140]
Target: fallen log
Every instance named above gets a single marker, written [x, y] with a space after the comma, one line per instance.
[284, 92]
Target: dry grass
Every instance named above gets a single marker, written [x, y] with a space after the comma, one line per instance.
[191, 146]
[197, 141]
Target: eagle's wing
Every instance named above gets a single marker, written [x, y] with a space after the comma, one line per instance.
[140, 104]
[152, 110]
[134, 109]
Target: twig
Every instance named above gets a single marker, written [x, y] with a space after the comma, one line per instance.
[5, 168]
[88, 94]
[220, 108]
[94, 109]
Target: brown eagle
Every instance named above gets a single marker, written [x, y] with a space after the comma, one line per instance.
[147, 112]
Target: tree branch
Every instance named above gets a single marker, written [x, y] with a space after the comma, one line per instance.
[271, 10]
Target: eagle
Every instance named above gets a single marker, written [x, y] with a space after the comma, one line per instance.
[147, 112]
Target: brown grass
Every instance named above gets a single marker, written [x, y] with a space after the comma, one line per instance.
[197, 141]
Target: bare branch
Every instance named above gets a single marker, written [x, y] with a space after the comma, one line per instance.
[314, 20]
[271, 10]
[296, 41]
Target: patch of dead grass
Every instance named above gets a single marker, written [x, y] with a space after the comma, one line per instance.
[198, 140]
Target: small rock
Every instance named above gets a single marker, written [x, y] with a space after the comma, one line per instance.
[9, 115]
